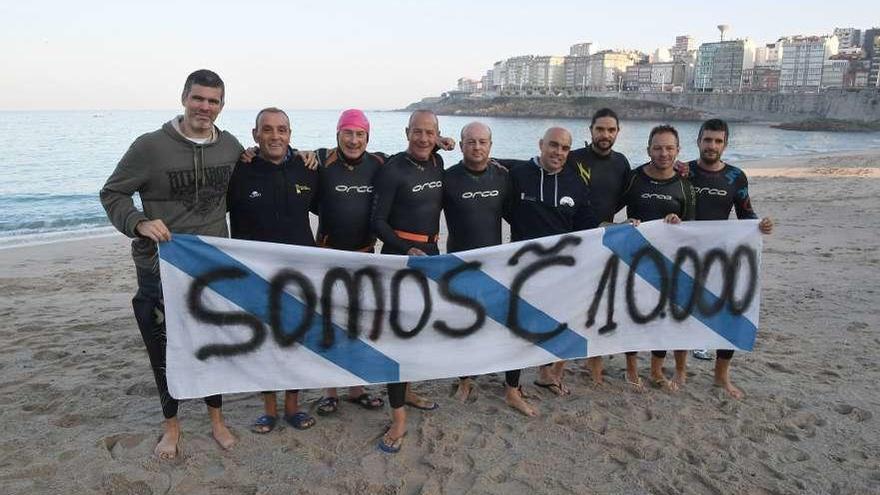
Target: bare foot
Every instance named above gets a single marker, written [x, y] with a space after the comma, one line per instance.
[731, 389]
[464, 390]
[679, 380]
[419, 402]
[635, 381]
[514, 398]
[663, 383]
[167, 447]
[223, 436]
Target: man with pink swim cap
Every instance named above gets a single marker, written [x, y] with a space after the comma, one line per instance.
[345, 191]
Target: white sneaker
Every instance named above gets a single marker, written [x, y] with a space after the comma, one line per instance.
[704, 354]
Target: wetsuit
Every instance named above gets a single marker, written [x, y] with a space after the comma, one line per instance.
[269, 202]
[407, 199]
[474, 204]
[718, 193]
[649, 199]
[606, 176]
[345, 200]
[545, 204]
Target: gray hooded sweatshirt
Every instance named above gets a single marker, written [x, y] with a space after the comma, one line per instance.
[179, 182]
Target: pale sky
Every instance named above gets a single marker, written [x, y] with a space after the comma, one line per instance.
[101, 55]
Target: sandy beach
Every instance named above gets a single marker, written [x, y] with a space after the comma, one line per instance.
[79, 411]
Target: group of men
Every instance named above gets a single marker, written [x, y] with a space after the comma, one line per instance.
[189, 173]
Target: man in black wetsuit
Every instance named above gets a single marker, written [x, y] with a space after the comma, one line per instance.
[269, 200]
[549, 198]
[720, 188]
[605, 171]
[476, 195]
[345, 201]
[408, 197]
[656, 191]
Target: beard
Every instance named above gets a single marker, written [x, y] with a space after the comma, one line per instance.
[710, 158]
[603, 144]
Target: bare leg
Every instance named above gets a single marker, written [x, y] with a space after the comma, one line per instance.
[596, 363]
[514, 398]
[465, 385]
[353, 392]
[680, 368]
[657, 376]
[632, 372]
[167, 446]
[393, 438]
[558, 370]
[331, 392]
[722, 378]
[221, 433]
[291, 402]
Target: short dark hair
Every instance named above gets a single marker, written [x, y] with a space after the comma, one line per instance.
[662, 129]
[270, 110]
[203, 77]
[604, 112]
[714, 125]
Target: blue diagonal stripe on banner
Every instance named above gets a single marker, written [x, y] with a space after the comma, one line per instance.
[625, 241]
[496, 298]
[196, 257]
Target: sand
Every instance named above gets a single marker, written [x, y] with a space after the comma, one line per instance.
[79, 412]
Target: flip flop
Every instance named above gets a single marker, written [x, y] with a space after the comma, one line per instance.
[327, 406]
[300, 420]
[433, 406]
[265, 421]
[367, 401]
[393, 447]
[556, 388]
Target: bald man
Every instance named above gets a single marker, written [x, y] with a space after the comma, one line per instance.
[476, 196]
[549, 199]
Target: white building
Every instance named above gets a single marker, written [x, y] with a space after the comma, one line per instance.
[582, 49]
[803, 59]
[720, 65]
[608, 67]
[769, 55]
[848, 37]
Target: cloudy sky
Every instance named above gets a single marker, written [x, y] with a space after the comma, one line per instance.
[333, 54]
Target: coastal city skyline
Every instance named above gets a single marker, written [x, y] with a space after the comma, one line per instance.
[847, 58]
[103, 55]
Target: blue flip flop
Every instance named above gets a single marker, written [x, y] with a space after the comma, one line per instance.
[390, 448]
[265, 421]
[300, 420]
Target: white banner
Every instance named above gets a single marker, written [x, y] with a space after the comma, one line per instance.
[248, 316]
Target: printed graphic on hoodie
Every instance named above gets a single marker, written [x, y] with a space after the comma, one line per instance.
[204, 196]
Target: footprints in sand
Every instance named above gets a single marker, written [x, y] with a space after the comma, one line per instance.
[857, 414]
[121, 446]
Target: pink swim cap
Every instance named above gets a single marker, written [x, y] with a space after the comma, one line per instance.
[353, 118]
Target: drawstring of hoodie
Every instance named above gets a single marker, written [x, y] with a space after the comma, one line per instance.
[555, 183]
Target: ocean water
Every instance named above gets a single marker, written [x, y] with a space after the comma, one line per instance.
[54, 163]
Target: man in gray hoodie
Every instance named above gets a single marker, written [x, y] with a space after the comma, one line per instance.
[181, 173]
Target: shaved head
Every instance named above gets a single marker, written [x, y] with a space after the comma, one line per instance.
[473, 127]
[559, 134]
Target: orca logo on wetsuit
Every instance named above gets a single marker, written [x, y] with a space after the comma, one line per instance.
[710, 191]
[479, 194]
[357, 189]
[427, 185]
[657, 196]
[566, 201]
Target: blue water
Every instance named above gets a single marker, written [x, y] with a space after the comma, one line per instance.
[54, 163]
